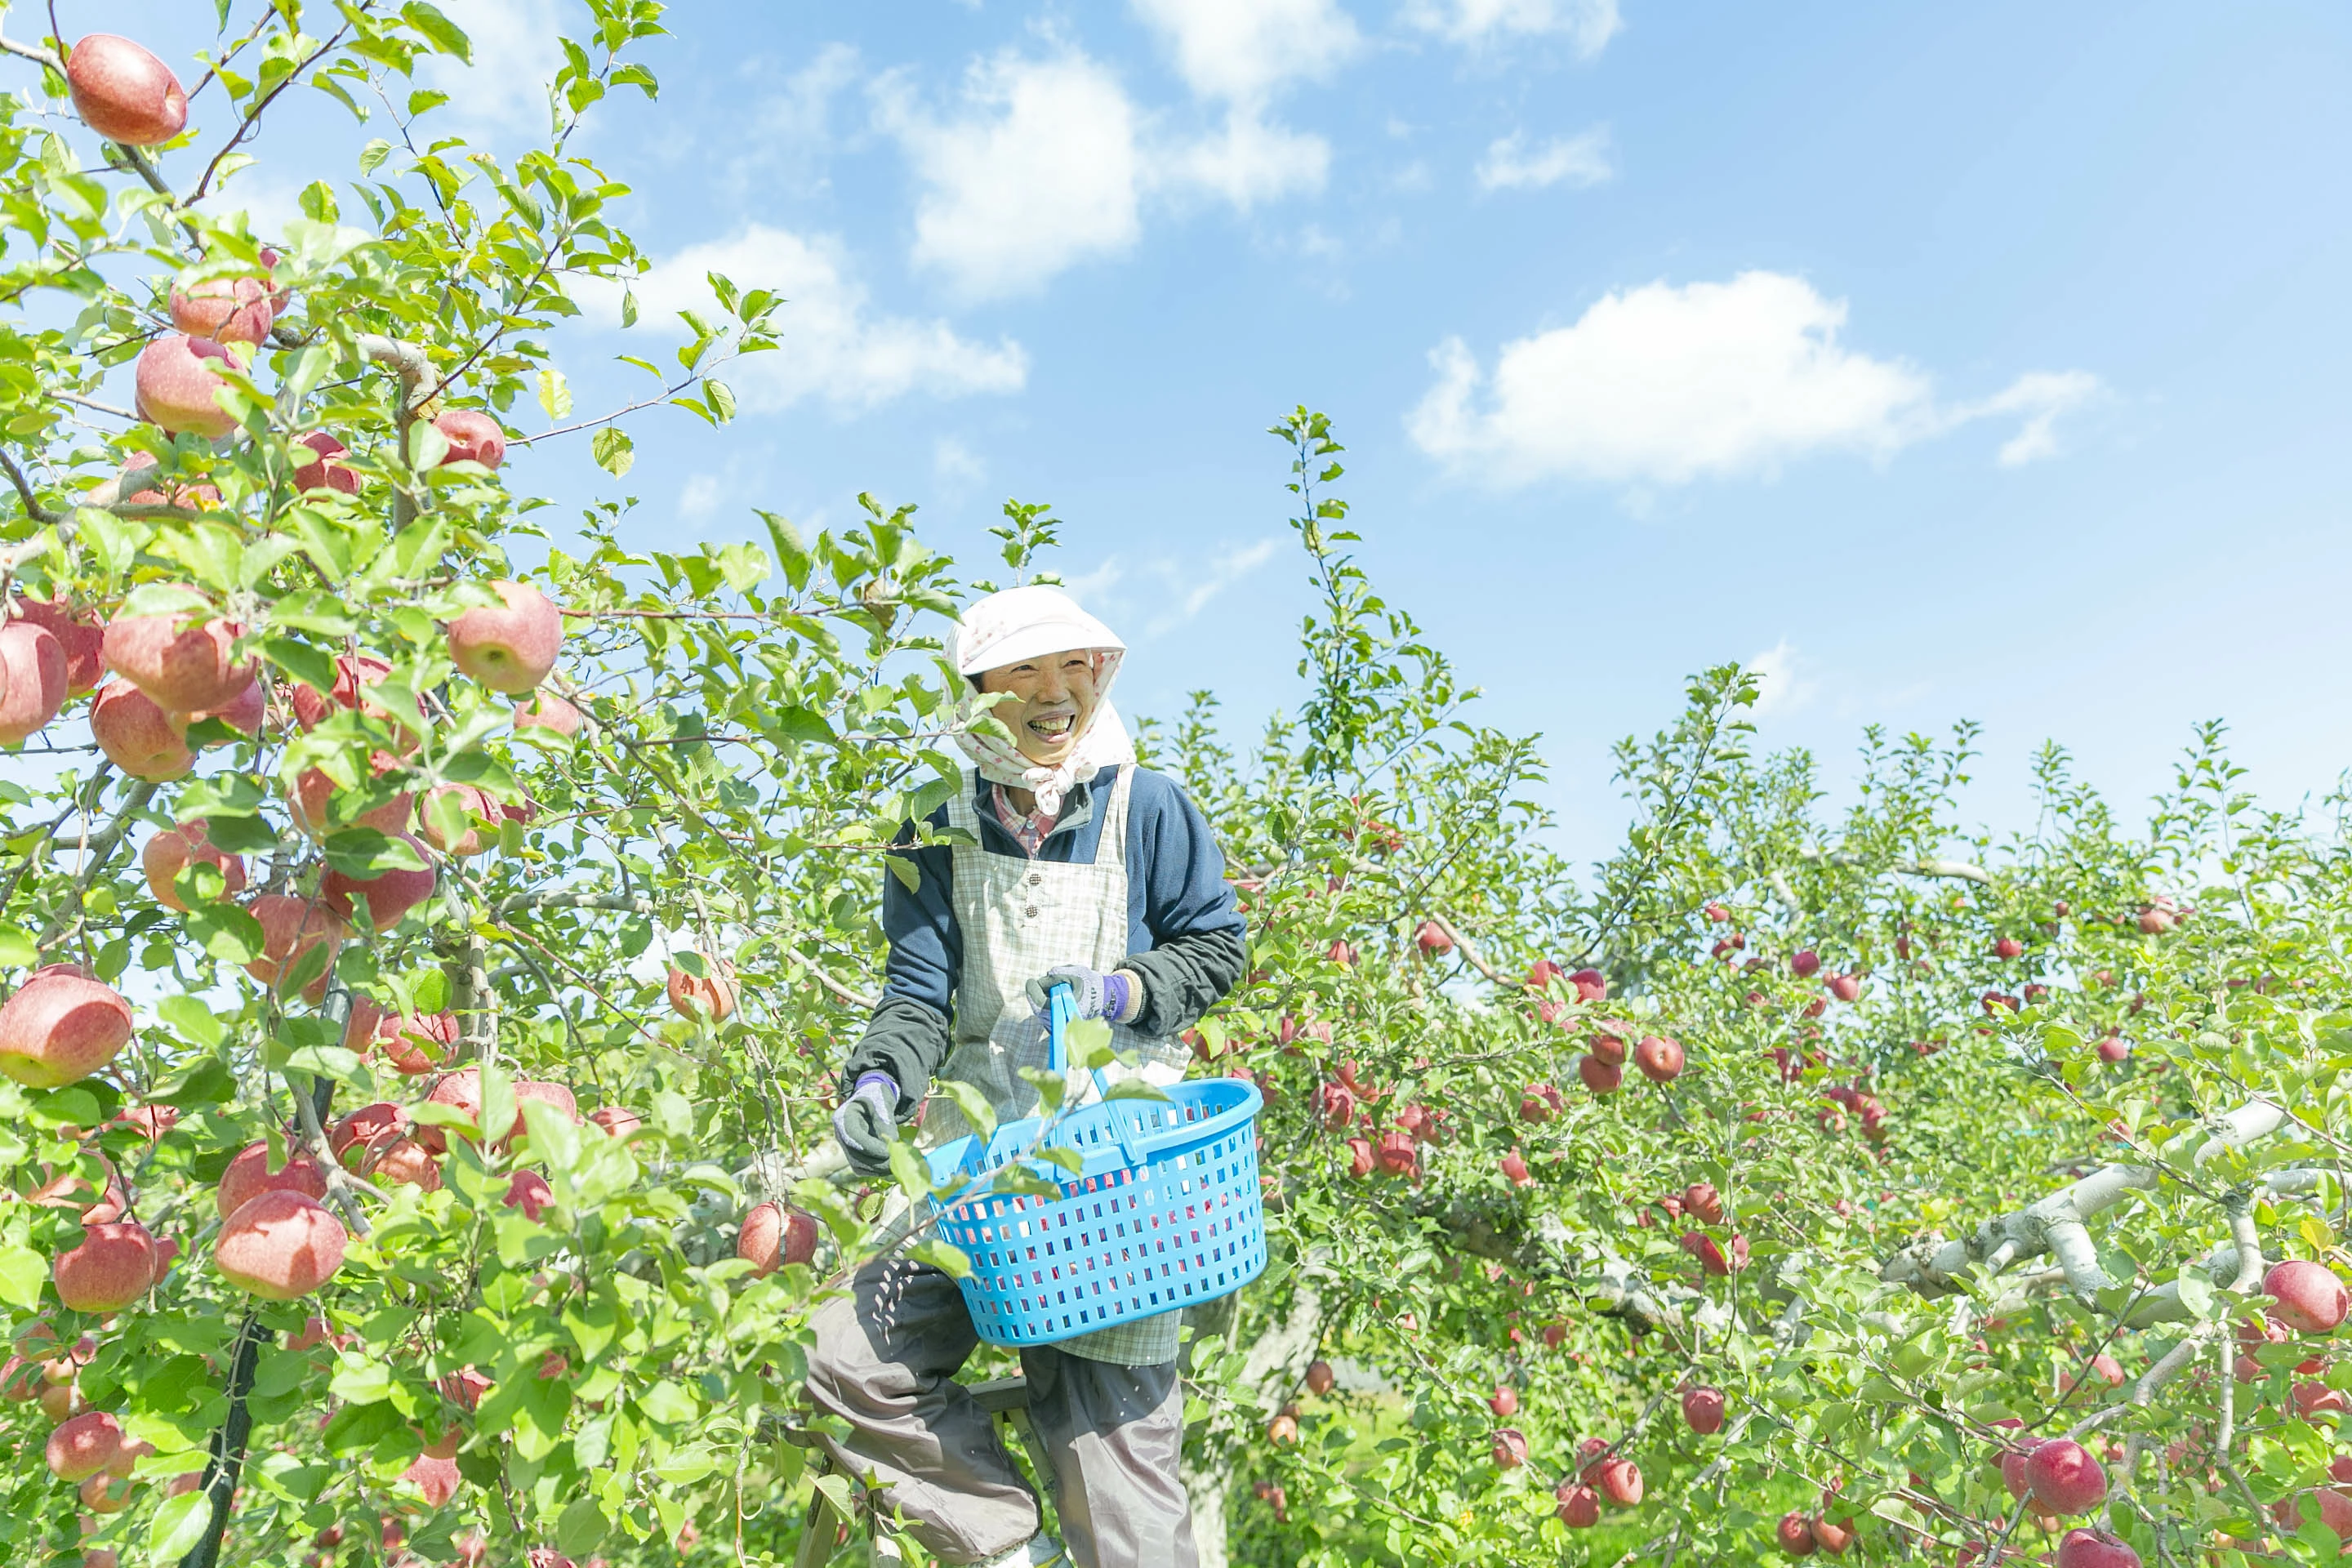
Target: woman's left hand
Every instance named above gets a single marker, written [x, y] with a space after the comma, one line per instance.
[1096, 995]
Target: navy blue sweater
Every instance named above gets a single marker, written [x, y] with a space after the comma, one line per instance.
[1184, 937]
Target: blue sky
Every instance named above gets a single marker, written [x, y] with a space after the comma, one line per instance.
[1951, 362]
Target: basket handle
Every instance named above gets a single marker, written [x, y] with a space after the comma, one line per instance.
[1061, 1007]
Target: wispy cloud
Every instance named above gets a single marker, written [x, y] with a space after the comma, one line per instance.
[1511, 165]
[1782, 685]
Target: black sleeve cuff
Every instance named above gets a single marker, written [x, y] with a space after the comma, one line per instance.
[906, 1038]
[1186, 976]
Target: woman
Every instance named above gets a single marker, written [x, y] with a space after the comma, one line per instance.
[1083, 869]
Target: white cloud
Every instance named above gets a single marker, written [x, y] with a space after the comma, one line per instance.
[791, 130]
[1244, 50]
[958, 466]
[1167, 592]
[1782, 685]
[1038, 171]
[834, 347]
[518, 50]
[2042, 396]
[701, 495]
[1662, 384]
[1249, 163]
[1587, 25]
[1196, 584]
[1510, 165]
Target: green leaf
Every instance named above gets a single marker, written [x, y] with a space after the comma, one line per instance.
[948, 1259]
[978, 1114]
[16, 949]
[614, 451]
[2196, 1292]
[554, 393]
[720, 399]
[1070, 1160]
[1136, 1088]
[447, 36]
[23, 1272]
[913, 1177]
[581, 1526]
[178, 1525]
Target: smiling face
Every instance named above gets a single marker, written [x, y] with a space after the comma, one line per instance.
[1053, 696]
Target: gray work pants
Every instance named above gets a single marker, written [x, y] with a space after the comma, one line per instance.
[886, 1360]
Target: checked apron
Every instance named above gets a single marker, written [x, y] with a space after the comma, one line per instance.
[1020, 917]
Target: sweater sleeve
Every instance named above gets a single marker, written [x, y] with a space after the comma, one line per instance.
[909, 1034]
[1200, 944]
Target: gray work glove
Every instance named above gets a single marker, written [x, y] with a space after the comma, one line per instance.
[1098, 996]
[864, 1124]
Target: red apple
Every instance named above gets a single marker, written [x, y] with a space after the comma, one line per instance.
[510, 648]
[2112, 1050]
[1599, 1075]
[83, 641]
[1660, 1059]
[1806, 964]
[363, 1131]
[434, 1472]
[123, 92]
[1846, 987]
[184, 664]
[416, 1043]
[60, 1027]
[32, 680]
[179, 381]
[1432, 940]
[2311, 1299]
[1515, 1169]
[1607, 1045]
[1703, 1203]
[617, 1121]
[2318, 1399]
[1794, 1534]
[774, 1234]
[224, 310]
[281, 1246]
[554, 1094]
[322, 472]
[1504, 1402]
[1396, 1154]
[172, 850]
[1703, 1410]
[404, 1163]
[82, 1445]
[546, 710]
[474, 437]
[104, 1493]
[291, 927]
[1620, 1481]
[1320, 1378]
[711, 994]
[1579, 1505]
[2094, 1549]
[138, 736]
[250, 1175]
[1282, 1428]
[389, 895]
[2008, 947]
[1510, 1448]
[530, 1193]
[319, 805]
[1359, 1156]
[113, 1266]
[1718, 914]
[355, 673]
[480, 811]
[2063, 1477]
[1833, 1536]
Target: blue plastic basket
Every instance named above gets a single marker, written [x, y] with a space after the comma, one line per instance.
[1164, 1212]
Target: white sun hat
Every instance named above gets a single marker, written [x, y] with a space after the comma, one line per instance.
[1024, 623]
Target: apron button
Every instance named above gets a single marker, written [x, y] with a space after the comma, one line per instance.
[1032, 913]
[1036, 877]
